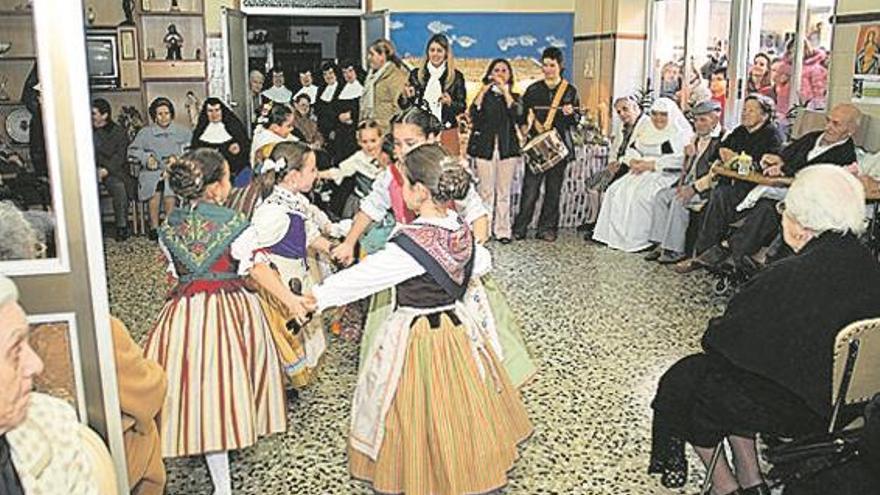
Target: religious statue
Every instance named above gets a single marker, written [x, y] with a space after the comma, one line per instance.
[128, 10]
[173, 43]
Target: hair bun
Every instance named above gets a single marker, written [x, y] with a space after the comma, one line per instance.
[454, 181]
[186, 179]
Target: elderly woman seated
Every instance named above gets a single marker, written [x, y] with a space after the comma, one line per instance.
[766, 363]
[655, 157]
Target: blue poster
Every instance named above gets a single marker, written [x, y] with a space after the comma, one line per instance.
[485, 35]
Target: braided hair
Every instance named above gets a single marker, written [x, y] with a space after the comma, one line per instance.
[431, 166]
[192, 173]
[426, 121]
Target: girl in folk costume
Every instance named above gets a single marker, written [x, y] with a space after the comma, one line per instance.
[278, 128]
[438, 87]
[462, 436]
[655, 156]
[412, 129]
[211, 337]
[287, 226]
[218, 128]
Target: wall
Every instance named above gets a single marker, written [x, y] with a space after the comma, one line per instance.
[609, 50]
[213, 17]
[478, 5]
[845, 35]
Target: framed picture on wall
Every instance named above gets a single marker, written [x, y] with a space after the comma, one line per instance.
[53, 337]
[126, 44]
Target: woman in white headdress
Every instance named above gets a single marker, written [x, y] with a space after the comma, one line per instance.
[655, 157]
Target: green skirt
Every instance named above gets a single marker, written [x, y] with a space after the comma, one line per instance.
[517, 361]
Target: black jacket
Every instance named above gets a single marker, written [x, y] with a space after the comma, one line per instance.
[756, 144]
[457, 92]
[494, 120]
[111, 150]
[326, 111]
[783, 323]
[794, 156]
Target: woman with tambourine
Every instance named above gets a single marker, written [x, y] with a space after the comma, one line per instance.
[494, 144]
[551, 107]
[438, 87]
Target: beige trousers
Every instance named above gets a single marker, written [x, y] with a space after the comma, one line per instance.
[496, 176]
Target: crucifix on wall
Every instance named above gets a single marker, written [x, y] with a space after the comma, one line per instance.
[302, 33]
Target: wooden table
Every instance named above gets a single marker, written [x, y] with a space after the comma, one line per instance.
[753, 177]
[872, 195]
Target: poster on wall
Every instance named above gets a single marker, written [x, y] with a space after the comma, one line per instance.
[478, 38]
[866, 69]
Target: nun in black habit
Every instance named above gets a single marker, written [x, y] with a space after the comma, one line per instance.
[218, 128]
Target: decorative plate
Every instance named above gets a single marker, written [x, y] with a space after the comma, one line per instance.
[18, 125]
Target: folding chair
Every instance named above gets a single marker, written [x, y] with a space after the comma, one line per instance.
[855, 380]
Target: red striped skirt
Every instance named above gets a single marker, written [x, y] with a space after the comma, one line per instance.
[224, 381]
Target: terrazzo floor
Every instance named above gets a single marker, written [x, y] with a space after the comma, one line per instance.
[602, 324]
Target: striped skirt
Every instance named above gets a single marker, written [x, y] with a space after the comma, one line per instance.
[224, 382]
[450, 430]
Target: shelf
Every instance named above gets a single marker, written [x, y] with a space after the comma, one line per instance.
[168, 13]
[116, 90]
[18, 58]
[10, 103]
[172, 70]
[16, 13]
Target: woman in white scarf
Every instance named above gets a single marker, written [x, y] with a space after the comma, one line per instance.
[655, 157]
[437, 86]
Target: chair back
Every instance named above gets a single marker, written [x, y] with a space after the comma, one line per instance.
[861, 338]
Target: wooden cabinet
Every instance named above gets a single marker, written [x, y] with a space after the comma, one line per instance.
[183, 80]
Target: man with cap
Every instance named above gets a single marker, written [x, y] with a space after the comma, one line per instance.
[672, 205]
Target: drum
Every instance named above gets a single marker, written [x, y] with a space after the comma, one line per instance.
[450, 141]
[544, 151]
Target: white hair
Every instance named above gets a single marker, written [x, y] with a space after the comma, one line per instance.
[8, 291]
[827, 198]
[17, 237]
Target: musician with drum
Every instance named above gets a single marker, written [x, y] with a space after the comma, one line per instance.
[551, 106]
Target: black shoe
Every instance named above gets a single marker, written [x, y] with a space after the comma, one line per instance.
[654, 255]
[153, 235]
[122, 234]
[586, 226]
[670, 257]
[761, 489]
[712, 257]
[519, 235]
[547, 236]
[504, 240]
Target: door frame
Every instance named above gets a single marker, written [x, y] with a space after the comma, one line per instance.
[227, 63]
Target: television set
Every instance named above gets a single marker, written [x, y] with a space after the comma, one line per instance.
[102, 52]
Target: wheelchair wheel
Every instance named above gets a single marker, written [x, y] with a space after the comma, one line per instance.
[722, 286]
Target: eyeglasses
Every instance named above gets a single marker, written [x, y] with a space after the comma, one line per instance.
[780, 207]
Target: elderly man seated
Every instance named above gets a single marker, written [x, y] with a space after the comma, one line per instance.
[833, 145]
[756, 136]
[671, 205]
[766, 364]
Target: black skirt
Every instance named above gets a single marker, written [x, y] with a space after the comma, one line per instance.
[703, 398]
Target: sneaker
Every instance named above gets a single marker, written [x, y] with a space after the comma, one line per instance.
[670, 257]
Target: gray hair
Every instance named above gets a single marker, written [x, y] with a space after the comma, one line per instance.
[18, 240]
[827, 198]
[256, 73]
[8, 291]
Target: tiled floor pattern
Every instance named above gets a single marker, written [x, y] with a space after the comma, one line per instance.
[602, 324]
